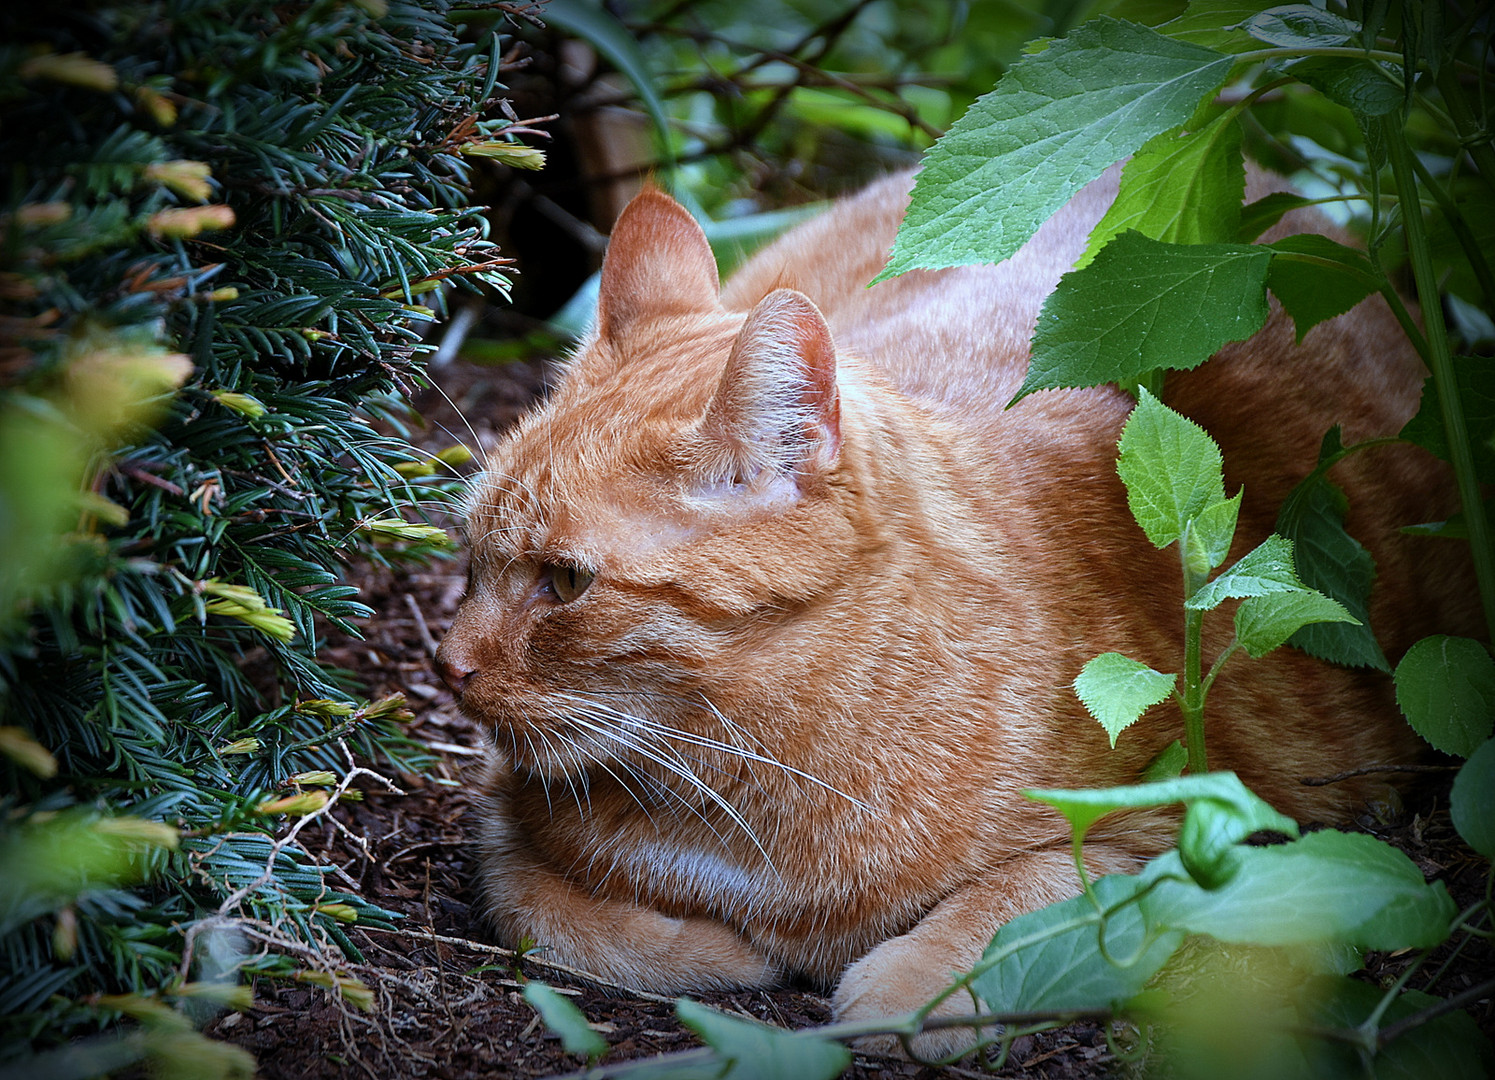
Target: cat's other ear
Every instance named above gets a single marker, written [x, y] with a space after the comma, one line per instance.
[777, 406]
[657, 263]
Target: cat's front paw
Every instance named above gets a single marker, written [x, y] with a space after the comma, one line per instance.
[646, 950]
[893, 980]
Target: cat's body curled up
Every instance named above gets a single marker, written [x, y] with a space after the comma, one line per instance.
[774, 611]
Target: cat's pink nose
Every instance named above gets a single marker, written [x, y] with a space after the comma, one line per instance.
[455, 675]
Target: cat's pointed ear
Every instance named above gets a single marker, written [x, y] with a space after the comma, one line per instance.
[657, 263]
[777, 408]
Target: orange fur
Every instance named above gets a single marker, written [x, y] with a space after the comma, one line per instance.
[839, 597]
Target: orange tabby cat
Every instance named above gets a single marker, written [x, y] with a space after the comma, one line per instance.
[774, 610]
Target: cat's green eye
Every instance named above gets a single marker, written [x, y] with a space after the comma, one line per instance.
[568, 582]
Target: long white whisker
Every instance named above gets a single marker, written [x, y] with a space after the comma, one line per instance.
[529, 745]
[660, 789]
[656, 727]
[477, 444]
[643, 726]
[683, 771]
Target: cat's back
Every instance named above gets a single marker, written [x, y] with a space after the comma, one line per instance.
[958, 335]
[956, 342]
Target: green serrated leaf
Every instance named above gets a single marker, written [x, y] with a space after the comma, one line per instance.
[1300, 26]
[1117, 690]
[1056, 121]
[1475, 376]
[1360, 85]
[1317, 279]
[1331, 561]
[1471, 804]
[1347, 888]
[1179, 188]
[1051, 959]
[1446, 689]
[1142, 304]
[566, 1020]
[1215, 25]
[754, 1051]
[1172, 469]
[1207, 538]
[1267, 568]
[1262, 623]
[1083, 807]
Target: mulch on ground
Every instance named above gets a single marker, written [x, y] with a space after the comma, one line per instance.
[447, 996]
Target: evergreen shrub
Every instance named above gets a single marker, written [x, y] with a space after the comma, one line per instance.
[225, 226]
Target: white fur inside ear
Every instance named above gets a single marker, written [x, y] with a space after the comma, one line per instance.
[765, 489]
[776, 409]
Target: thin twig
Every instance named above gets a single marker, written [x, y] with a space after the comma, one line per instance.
[1432, 1012]
[420, 625]
[1320, 781]
[587, 977]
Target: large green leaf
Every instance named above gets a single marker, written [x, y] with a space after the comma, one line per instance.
[1118, 690]
[754, 1051]
[1331, 561]
[1262, 623]
[1360, 85]
[1267, 568]
[1180, 188]
[1446, 689]
[1171, 468]
[1300, 26]
[1347, 888]
[1317, 278]
[1471, 804]
[1056, 120]
[1051, 959]
[1247, 811]
[1143, 305]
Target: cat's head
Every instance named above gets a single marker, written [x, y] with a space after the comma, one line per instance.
[674, 501]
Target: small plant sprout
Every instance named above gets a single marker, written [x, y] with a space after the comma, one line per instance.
[1175, 488]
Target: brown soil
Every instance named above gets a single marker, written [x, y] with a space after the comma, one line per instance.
[447, 997]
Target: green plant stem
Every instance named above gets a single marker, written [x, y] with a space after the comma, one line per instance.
[1472, 932]
[1353, 52]
[1372, 1023]
[1472, 134]
[1440, 363]
[1404, 317]
[1230, 650]
[992, 958]
[1460, 229]
[1432, 1012]
[1191, 703]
